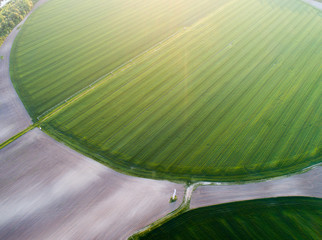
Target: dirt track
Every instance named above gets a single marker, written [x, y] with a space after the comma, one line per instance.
[305, 184]
[48, 191]
[13, 116]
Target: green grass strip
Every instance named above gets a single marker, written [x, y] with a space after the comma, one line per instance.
[15, 137]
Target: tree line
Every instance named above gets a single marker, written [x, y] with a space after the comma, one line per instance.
[11, 14]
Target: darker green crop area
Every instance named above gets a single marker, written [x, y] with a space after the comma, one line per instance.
[266, 219]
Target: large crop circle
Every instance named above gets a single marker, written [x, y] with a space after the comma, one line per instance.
[192, 90]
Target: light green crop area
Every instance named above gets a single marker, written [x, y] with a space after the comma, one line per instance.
[68, 44]
[234, 94]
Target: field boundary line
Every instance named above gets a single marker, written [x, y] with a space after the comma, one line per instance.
[128, 64]
[18, 135]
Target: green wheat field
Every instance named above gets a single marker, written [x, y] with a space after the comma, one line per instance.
[182, 89]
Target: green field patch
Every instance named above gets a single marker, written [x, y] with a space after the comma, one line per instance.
[272, 218]
[235, 95]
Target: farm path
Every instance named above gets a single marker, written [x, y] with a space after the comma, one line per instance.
[48, 191]
[307, 184]
[184, 206]
[13, 116]
[202, 194]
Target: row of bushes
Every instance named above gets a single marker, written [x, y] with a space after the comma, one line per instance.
[11, 14]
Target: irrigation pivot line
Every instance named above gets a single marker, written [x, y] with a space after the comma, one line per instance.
[122, 67]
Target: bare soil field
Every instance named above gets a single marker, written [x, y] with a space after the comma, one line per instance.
[306, 184]
[13, 116]
[48, 191]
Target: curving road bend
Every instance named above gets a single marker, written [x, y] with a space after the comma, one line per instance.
[305, 184]
[13, 116]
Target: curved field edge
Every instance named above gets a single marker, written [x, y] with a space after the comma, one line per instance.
[271, 218]
[17, 86]
[21, 27]
[129, 168]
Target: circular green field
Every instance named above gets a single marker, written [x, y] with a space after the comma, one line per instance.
[184, 89]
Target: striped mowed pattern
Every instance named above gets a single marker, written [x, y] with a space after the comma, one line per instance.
[66, 45]
[235, 96]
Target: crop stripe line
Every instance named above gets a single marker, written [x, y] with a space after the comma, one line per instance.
[200, 84]
[200, 108]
